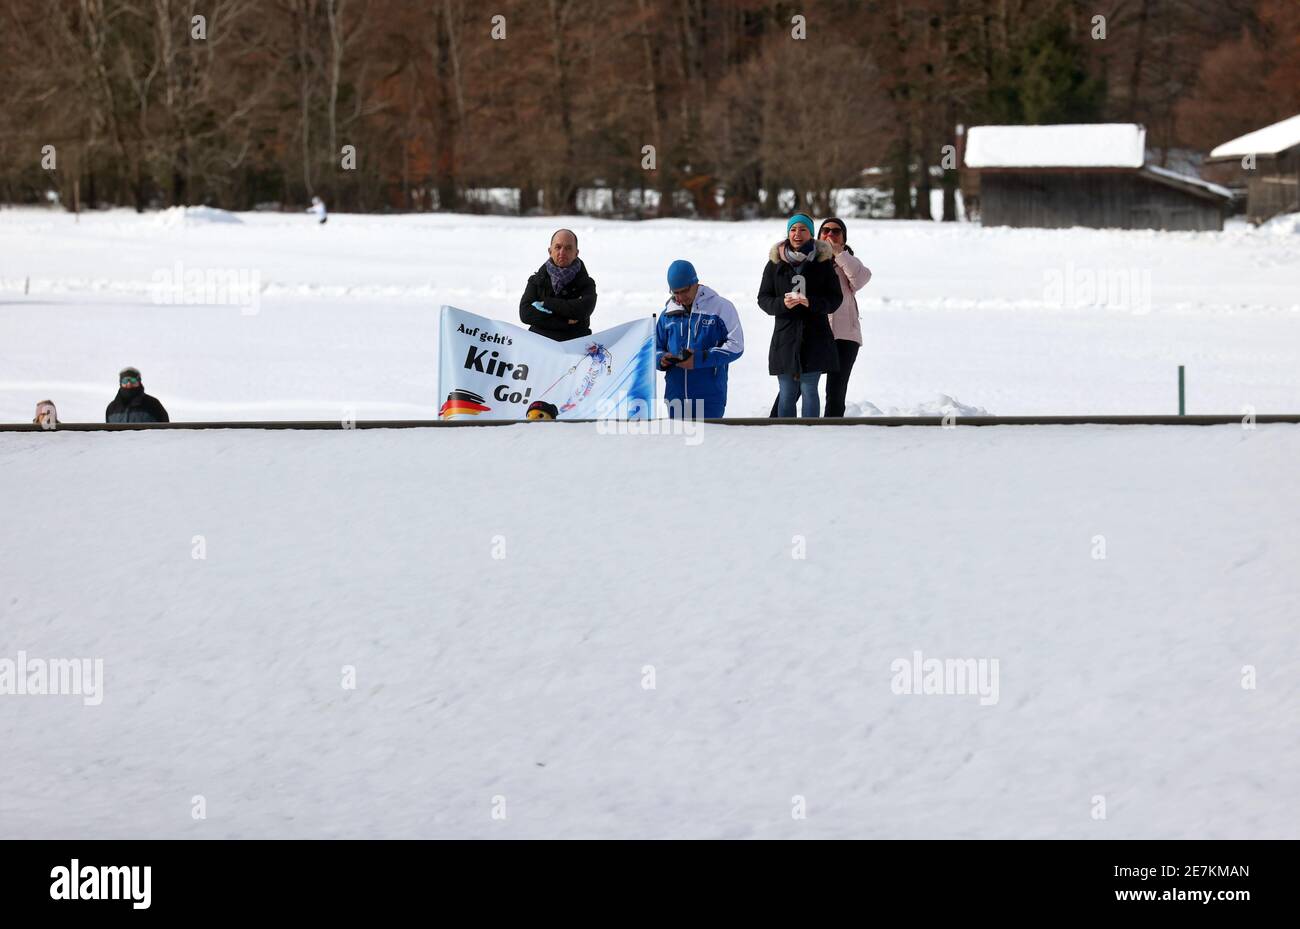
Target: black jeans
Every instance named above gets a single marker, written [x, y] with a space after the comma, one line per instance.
[837, 382]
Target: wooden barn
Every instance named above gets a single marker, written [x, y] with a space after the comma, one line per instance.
[1268, 160]
[1085, 175]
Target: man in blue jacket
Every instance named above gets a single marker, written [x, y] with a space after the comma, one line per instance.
[698, 335]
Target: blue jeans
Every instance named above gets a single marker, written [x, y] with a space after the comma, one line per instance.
[793, 388]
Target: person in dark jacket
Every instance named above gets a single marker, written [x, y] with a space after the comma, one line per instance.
[561, 296]
[800, 289]
[132, 404]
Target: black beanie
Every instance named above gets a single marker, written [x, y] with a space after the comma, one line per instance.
[543, 409]
[836, 219]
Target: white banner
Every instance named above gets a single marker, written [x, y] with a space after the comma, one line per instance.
[494, 370]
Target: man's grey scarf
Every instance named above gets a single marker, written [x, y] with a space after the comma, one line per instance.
[562, 277]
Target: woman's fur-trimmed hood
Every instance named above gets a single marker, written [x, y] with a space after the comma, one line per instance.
[824, 252]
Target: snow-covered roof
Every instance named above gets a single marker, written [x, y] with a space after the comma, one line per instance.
[1187, 179]
[1267, 141]
[1100, 145]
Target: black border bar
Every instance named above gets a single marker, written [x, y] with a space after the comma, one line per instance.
[920, 878]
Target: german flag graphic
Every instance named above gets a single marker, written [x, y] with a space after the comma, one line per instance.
[462, 403]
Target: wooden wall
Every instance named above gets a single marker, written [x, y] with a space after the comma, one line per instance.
[1274, 186]
[1099, 200]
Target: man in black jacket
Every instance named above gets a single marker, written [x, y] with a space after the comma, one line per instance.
[560, 297]
[132, 404]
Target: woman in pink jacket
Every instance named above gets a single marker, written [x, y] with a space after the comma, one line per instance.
[853, 276]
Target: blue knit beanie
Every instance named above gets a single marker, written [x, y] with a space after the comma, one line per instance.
[681, 273]
[800, 218]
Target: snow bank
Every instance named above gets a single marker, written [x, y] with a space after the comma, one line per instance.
[175, 216]
[638, 648]
[942, 405]
[1287, 224]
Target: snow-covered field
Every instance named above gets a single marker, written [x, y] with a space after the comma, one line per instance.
[559, 632]
[1008, 321]
[525, 676]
